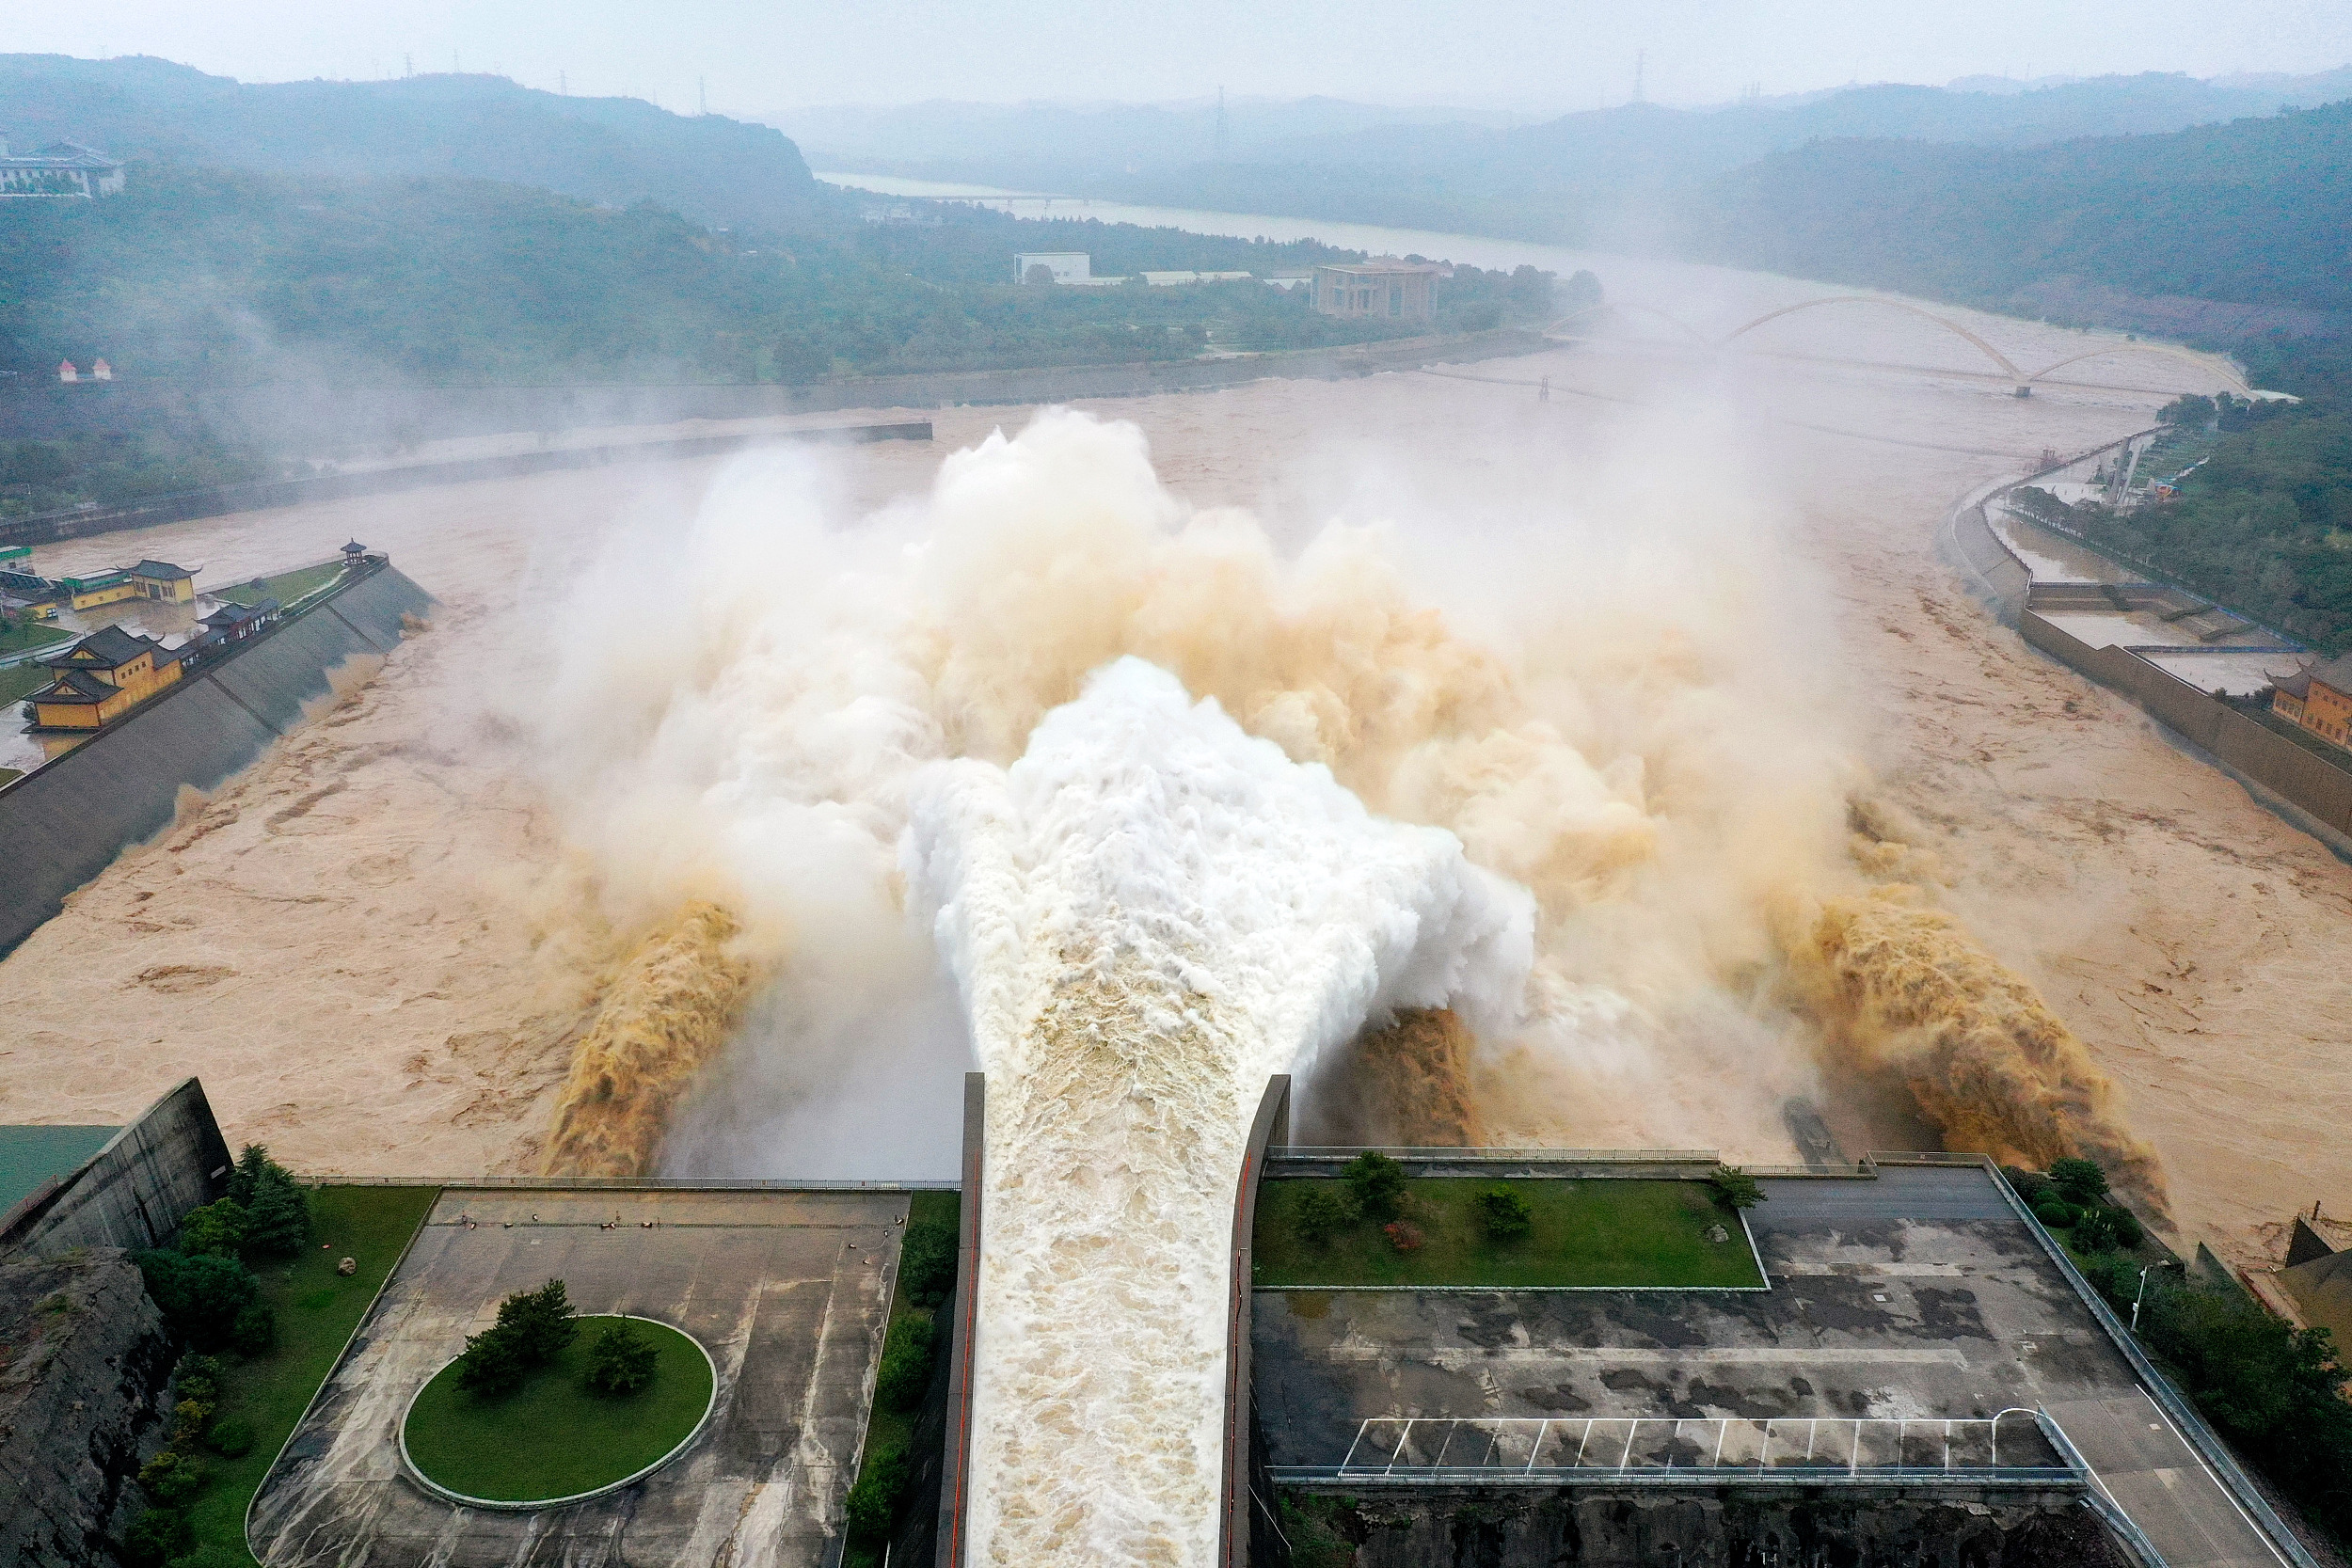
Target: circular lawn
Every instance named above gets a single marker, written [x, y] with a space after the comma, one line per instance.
[552, 1438]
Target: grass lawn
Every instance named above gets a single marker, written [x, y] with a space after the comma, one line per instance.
[1602, 1232]
[31, 634]
[317, 1310]
[886, 1428]
[285, 588]
[552, 1437]
[9, 776]
[18, 682]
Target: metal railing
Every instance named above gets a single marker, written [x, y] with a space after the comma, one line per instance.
[1695, 1449]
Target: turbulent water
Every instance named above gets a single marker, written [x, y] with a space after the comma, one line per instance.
[1149, 913]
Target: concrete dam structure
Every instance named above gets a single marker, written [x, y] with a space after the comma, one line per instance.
[64, 822]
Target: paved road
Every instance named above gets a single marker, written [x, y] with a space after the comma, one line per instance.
[2143, 1463]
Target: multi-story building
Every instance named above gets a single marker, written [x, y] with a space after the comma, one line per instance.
[2318, 697]
[1382, 290]
[102, 677]
[62, 169]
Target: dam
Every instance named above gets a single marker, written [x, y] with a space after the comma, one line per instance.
[1407, 1421]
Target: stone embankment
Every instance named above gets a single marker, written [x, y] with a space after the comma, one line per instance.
[83, 1361]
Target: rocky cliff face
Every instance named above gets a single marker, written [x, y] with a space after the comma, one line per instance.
[83, 1361]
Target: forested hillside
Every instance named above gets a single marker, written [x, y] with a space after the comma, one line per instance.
[616, 151]
[2253, 212]
[1597, 177]
[201, 274]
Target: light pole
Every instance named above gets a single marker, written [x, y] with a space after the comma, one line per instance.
[2138, 1299]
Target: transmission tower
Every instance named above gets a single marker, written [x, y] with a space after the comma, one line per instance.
[1221, 125]
[1641, 59]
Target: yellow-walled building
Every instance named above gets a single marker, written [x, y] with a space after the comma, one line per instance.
[102, 677]
[161, 579]
[2319, 698]
[106, 587]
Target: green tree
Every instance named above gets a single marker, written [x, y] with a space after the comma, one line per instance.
[276, 1206]
[2078, 1181]
[1735, 1188]
[207, 1299]
[216, 1230]
[493, 1364]
[541, 1322]
[1320, 1214]
[1377, 1183]
[1507, 1214]
[621, 1361]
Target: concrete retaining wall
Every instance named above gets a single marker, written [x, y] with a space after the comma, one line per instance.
[64, 822]
[1249, 1528]
[133, 1191]
[2300, 777]
[307, 412]
[221, 500]
[955, 1473]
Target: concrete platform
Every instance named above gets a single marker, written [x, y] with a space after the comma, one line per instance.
[788, 1291]
[1916, 1297]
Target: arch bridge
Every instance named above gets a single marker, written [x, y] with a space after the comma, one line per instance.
[2023, 380]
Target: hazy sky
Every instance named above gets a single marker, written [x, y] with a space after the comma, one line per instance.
[1535, 55]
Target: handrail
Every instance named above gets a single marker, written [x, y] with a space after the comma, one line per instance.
[2183, 1416]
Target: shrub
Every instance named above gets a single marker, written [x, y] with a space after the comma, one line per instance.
[216, 1230]
[1735, 1188]
[927, 1263]
[1378, 1185]
[276, 1206]
[2055, 1214]
[620, 1360]
[882, 1481]
[1403, 1235]
[1506, 1213]
[202, 1298]
[188, 1420]
[232, 1438]
[906, 1365]
[2029, 1185]
[155, 1537]
[254, 1329]
[2094, 1231]
[2079, 1182]
[2114, 1277]
[2128, 1232]
[1322, 1214]
[197, 1377]
[175, 1486]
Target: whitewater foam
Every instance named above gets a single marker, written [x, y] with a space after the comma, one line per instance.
[1149, 913]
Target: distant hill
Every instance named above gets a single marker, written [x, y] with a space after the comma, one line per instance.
[2254, 213]
[614, 150]
[1569, 179]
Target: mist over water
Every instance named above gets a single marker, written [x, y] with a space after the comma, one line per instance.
[1048, 770]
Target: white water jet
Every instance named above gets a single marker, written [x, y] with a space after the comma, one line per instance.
[1149, 913]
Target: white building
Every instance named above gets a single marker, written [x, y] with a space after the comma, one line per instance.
[1065, 266]
[1178, 279]
[62, 169]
